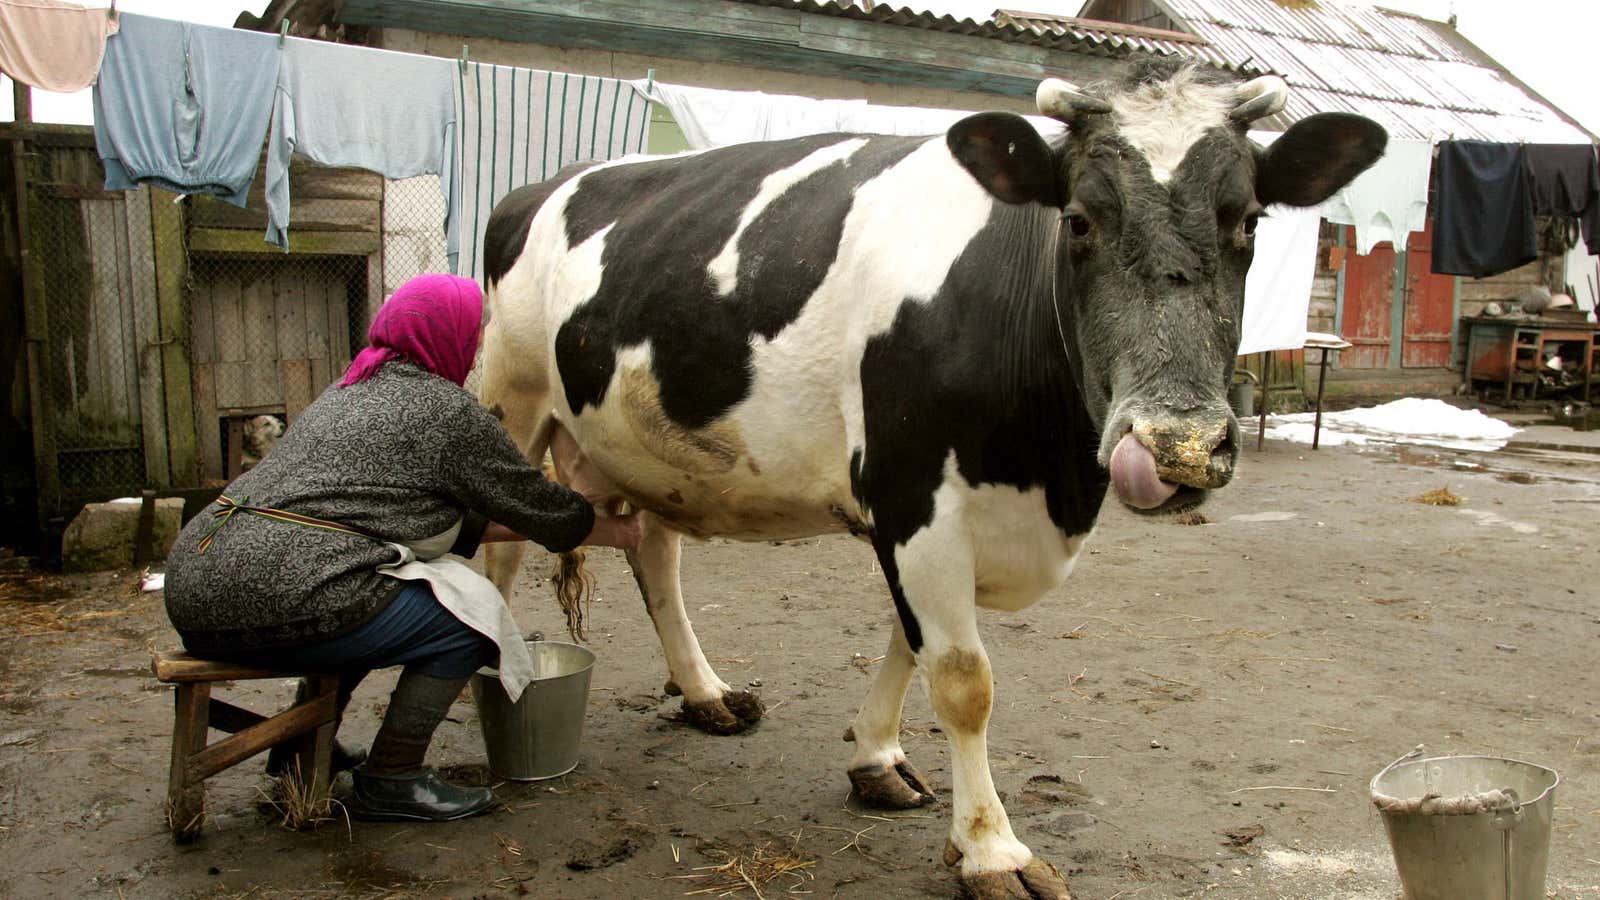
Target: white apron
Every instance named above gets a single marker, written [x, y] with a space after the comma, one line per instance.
[469, 597]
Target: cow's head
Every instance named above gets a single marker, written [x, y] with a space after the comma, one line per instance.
[1160, 192]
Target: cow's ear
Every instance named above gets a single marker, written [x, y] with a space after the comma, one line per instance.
[1007, 156]
[1316, 157]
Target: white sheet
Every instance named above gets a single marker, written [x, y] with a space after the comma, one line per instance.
[716, 118]
[1277, 290]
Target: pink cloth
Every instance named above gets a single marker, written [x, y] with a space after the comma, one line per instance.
[52, 45]
[431, 321]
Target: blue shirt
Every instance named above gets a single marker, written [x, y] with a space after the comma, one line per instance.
[184, 107]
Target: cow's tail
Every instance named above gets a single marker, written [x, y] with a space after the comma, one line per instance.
[574, 590]
[573, 581]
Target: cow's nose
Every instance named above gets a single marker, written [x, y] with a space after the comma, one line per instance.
[1195, 453]
[1178, 277]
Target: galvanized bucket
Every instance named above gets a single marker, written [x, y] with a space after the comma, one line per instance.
[1468, 826]
[538, 736]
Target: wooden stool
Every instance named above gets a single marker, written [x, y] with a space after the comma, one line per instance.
[309, 724]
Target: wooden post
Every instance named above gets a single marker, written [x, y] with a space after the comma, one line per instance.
[186, 795]
[171, 262]
[36, 322]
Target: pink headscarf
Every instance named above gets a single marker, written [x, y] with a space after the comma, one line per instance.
[431, 321]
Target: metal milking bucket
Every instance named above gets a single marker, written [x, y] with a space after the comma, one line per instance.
[538, 736]
[1467, 826]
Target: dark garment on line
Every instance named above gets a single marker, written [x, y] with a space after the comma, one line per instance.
[1566, 182]
[414, 630]
[1483, 219]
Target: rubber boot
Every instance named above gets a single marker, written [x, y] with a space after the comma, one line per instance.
[393, 785]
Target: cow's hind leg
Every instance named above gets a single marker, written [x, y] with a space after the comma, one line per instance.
[931, 578]
[879, 771]
[523, 406]
[708, 702]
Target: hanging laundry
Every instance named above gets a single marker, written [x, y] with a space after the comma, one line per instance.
[1567, 183]
[338, 105]
[51, 45]
[184, 107]
[1277, 289]
[716, 118]
[1484, 209]
[520, 126]
[1388, 201]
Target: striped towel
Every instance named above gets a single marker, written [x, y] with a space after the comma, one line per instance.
[520, 126]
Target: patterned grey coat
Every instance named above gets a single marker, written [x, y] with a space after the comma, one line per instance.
[403, 455]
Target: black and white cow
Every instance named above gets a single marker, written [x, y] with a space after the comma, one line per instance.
[948, 346]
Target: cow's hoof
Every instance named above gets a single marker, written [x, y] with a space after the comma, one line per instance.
[1038, 880]
[737, 711]
[891, 787]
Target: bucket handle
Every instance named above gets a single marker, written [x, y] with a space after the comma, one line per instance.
[1508, 814]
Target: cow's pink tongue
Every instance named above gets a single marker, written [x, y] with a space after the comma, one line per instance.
[1133, 474]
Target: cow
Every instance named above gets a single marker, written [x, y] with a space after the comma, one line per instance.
[949, 347]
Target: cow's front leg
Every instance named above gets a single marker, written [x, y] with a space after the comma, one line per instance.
[708, 702]
[932, 579]
[879, 771]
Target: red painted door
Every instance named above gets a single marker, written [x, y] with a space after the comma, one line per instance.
[1368, 305]
[1430, 307]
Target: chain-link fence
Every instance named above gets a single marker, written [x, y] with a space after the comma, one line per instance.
[166, 343]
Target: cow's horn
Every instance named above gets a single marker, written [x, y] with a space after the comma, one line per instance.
[1062, 100]
[1261, 97]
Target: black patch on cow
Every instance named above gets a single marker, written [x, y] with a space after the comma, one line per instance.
[979, 370]
[669, 218]
[507, 231]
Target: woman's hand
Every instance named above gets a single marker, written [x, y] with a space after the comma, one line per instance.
[616, 531]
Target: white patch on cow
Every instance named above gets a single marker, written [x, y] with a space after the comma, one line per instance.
[908, 225]
[724, 268]
[1162, 121]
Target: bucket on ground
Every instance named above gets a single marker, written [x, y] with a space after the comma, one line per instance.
[539, 735]
[1468, 826]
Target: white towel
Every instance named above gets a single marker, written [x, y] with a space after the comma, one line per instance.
[520, 126]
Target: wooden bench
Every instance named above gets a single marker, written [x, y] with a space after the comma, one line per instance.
[307, 726]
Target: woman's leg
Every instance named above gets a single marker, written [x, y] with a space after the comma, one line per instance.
[439, 653]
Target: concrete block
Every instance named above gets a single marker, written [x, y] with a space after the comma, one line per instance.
[101, 536]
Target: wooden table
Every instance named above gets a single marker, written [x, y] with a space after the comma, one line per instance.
[1511, 350]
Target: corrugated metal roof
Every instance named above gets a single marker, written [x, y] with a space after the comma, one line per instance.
[1035, 29]
[1418, 78]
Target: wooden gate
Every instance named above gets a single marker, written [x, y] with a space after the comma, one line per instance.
[1428, 335]
[269, 334]
[1367, 321]
[1425, 317]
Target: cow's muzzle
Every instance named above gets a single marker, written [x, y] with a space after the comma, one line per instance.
[1163, 465]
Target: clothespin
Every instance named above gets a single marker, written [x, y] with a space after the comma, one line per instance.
[463, 59]
[283, 32]
[649, 82]
[111, 11]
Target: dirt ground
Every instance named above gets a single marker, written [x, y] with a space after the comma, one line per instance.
[1248, 675]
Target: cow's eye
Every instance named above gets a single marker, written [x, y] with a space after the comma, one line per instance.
[1250, 223]
[1078, 224]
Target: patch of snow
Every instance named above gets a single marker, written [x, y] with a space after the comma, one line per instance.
[1300, 433]
[154, 581]
[127, 500]
[1410, 420]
